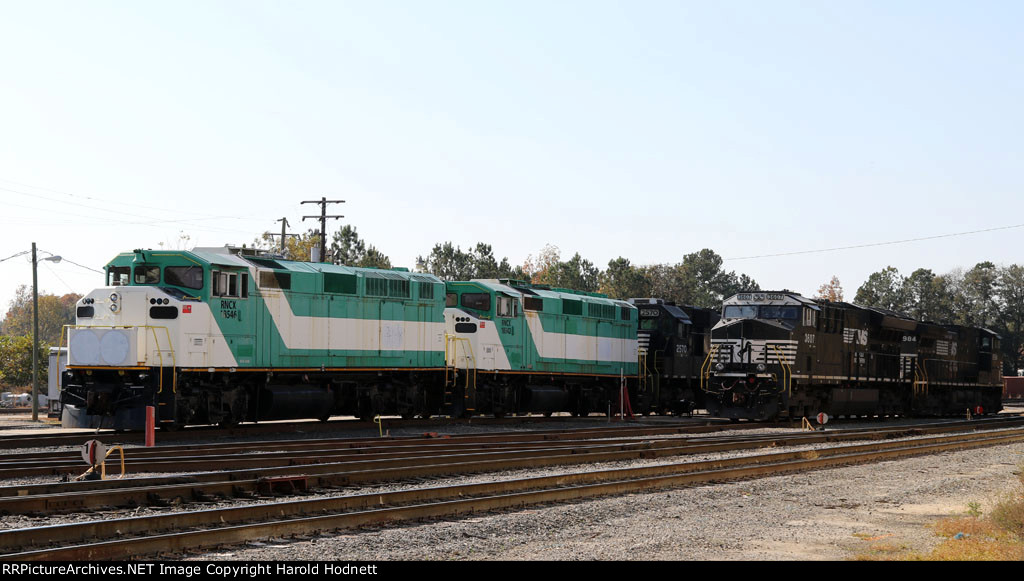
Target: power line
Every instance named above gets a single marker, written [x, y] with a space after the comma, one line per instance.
[877, 243]
[120, 202]
[150, 220]
[22, 253]
[52, 254]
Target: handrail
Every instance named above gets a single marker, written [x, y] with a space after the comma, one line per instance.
[920, 380]
[706, 373]
[787, 373]
[641, 364]
[468, 355]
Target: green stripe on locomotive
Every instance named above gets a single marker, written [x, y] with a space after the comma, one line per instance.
[549, 330]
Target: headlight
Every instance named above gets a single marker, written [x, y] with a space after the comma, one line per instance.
[761, 367]
[114, 307]
[114, 297]
[719, 366]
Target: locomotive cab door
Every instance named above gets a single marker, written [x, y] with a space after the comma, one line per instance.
[510, 329]
[985, 353]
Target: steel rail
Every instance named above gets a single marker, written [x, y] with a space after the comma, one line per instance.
[202, 487]
[293, 454]
[306, 517]
[107, 437]
[547, 437]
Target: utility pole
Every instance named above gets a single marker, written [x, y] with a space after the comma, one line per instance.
[35, 328]
[323, 222]
[284, 224]
[35, 337]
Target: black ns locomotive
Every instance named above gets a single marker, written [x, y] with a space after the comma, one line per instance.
[672, 342]
[778, 354]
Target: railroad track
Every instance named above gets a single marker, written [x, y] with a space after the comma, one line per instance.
[408, 459]
[228, 455]
[248, 431]
[171, 533]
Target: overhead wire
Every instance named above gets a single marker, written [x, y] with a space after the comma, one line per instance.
[149, 220]
[869, 245]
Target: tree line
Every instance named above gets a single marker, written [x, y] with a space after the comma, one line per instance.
[16, 335]
[987, 296]
[698, 279]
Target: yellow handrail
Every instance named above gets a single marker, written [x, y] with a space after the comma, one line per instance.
[705, 368]
[468, 354]
[787, 373]
[920, 379]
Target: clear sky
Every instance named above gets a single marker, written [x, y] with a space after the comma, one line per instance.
[641, 129]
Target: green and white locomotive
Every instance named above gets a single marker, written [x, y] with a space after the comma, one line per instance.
[218, 336]
[531, 348]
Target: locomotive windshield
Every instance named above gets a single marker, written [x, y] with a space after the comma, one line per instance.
[147, 275]
[761, 312]
[776, 312]
[118, 275]
[741, 312]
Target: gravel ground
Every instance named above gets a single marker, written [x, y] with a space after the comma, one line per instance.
[824, 515]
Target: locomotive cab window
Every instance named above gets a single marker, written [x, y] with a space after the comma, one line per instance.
[776, 312]
[810, 317]
[741, 312]
[507, 307]
[147, 275]
[184, 276]
[451, 300]
[230, 284]
[476, 301]
[118, 275]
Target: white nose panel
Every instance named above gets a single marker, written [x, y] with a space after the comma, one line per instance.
[114, 348]
[84, 348]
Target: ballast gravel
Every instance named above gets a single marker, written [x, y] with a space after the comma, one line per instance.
[830, 514]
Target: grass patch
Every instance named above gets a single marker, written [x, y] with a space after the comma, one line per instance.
[974, 536]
